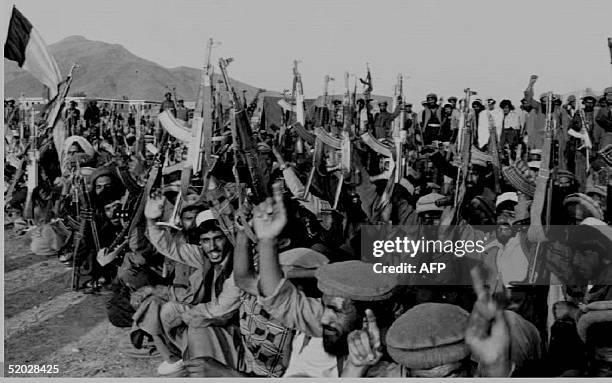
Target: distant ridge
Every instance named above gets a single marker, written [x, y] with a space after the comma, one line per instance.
[111, 71]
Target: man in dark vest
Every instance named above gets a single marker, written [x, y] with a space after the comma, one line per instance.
[431, 119]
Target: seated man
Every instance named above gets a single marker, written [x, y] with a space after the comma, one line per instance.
[187, 289]
[266, 342]
[209, 332]
[348, 289]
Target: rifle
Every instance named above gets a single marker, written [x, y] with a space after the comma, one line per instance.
[584, 134]
[253, 104]
[242, 135]
[463, 158]
[153, 180]
[323, 116]
[536, 232]
[494, 152]
[543, 194]
[32, 167]
[339, 148]
[399, 134]
[79, 186]
[201, 128]
[298, 97]
[364, 115]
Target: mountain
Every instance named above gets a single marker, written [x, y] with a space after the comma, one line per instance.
[111, 71]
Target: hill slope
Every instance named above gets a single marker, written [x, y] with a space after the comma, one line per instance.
[111, 71]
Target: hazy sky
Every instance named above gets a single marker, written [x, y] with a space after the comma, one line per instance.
[443, 46]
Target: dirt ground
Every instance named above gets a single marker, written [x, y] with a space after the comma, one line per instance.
[48, 324]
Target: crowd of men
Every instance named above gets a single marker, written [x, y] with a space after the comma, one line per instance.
[218, 283]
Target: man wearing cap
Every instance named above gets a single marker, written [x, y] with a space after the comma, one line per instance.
[440, 340]
[189, 288]
[383, 120]
[348, 289]
[599, 194]
[536, 121]
[218, 296]
[431, 119]
[594, 329]
[592, 258]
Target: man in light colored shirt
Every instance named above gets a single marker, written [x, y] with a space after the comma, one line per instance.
[348, 289]
[490, 115]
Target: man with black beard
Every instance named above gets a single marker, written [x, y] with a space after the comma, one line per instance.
[431, 119]
[349, 288]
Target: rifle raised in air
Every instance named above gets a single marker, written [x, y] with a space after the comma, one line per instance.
[463, 158]
[243, 138]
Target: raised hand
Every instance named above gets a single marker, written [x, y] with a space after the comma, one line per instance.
[487, 334]
[154, 207]
[270, 217]
[364, 345]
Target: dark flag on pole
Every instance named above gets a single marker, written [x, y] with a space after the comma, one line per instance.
[25, 46]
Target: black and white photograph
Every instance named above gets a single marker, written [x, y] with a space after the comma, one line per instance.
[307, 189]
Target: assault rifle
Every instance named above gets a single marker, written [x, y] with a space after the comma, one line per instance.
[494, 152]
[364, 115]
[338, 149]
[112, 252]
[202, 127]
[584, 134]
[81, 195]
[399, 134]
[463, 159]
[543, 192]
[298, 97]
[242, 135]
[323, 115]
